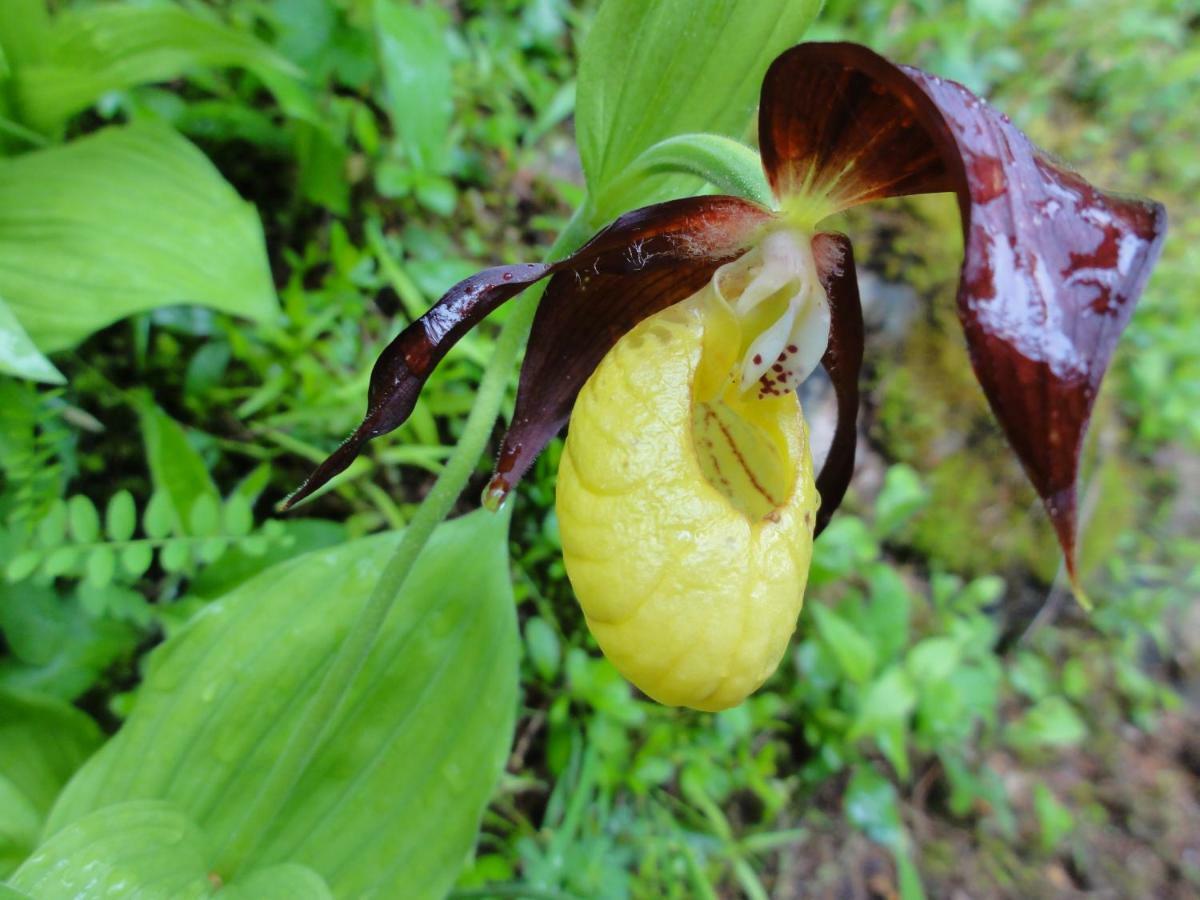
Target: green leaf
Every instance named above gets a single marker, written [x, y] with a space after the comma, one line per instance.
[54, 646]
[417, 79]
[109, 47]
[120, 516]
[158, 516]
[125, 220]
[933, 659]
[144, 848]
[83, 518]
[542, 645]
[1055, 821]
[136, 559]
[889, 699]
[872, 807]
[177, 470]
[237, 516]
[854, 653]
[100, 566]
[426, 727]
[901, 497]
[18, 354]
[204, 520]
[42, 742]
[23, 565]
[1052, 722]
[650, 71]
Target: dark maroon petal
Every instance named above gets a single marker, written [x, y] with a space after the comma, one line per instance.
[641, 264]
[843, 361]
[1052, 268]
[402, 368]
[833, 124]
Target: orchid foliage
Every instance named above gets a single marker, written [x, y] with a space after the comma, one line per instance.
[679, 333]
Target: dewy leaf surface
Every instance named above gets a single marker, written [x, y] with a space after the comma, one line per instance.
[649, 71]
[392, 803]
[1052, 268]
[150, 850]
[144, 849]
[125, 220]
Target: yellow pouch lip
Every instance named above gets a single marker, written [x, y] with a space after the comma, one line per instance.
[752, 581]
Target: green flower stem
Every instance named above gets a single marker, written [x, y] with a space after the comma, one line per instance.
[316, 725]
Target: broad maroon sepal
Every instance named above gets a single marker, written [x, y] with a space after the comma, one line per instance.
[1052, 265]
[842, 361]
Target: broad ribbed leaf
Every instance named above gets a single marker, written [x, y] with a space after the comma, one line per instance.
[144, 849]
[649, 71]
[391, 804]
[106, 47]
[150, 850]
[1052, 267]
[42, 742]
[123, 221]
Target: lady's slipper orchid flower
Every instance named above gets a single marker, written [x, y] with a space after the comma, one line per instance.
[686, 498]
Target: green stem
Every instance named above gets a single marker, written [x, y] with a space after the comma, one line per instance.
[316, 724]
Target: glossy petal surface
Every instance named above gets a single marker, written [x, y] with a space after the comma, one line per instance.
[690, 590]
[1052, 268]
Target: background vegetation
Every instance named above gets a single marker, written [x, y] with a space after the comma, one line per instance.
[947, 717]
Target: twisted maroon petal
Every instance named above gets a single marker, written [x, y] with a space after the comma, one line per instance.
[406, 363]
[1052, 268]
[843, 362]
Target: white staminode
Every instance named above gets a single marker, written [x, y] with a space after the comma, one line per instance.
[785, 352]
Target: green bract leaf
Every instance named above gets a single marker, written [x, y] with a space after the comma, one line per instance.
[19, 356]
[728, 165]
[42, 742]
[426, 727]
[126, 220]
[650, 71]
[103, 48]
